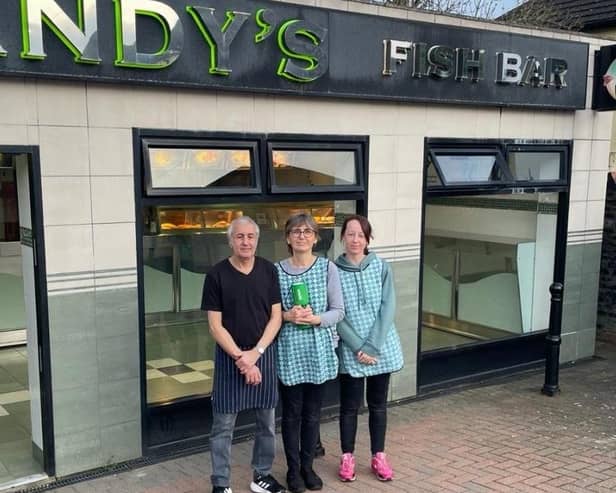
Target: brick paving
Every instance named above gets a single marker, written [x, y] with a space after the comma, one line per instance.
[499, 437]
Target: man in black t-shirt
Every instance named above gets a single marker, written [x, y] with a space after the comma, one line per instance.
[242, 297]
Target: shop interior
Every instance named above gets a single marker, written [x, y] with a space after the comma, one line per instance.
[16, 458]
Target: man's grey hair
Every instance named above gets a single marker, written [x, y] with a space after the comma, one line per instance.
[241, 220]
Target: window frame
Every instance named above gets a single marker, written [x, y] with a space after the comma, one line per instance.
[499, 162]
[306, 145]
[503, 148]
[252, 145]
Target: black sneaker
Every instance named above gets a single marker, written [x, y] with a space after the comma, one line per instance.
[222, 489]
[266, 484]
[312, 480]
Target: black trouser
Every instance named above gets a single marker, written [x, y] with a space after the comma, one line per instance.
[301, 414]
[351, 397]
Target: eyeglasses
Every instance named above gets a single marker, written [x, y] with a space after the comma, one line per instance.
[308, 233]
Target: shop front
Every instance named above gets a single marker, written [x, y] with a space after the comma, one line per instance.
[471, 147]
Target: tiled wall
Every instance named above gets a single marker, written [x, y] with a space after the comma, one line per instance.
[84, 134]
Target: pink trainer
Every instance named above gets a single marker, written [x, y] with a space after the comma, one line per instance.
[381, 468]
[346, 472]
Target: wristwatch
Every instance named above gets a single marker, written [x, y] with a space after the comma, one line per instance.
[260, 350]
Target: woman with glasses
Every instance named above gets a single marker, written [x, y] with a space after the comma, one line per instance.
[370, 348]
[306, 347]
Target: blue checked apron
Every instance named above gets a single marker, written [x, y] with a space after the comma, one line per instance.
[362, 301]
[306, 355]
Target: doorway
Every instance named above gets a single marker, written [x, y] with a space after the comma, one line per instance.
[25, 431]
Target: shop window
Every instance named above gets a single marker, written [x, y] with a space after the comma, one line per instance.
[536, 166]
[309, 167]
[200, 167]
[180, 246]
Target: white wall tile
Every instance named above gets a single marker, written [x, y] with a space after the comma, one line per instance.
[602, 125]
[581, 154]
[392, 12]
[579, 185]
[583, 124]
[13, 134]
[264, 113]
[408, 190]
[197, 110]
[111, 151]
[487, 123]
[412, 119]
[69, 249]
[61, 103]
[113, 199]
[420, 16]
[365, 8]
[409, 155]
[577, 216]
[451, 121]
[333, 4]
[381, 187]
[64, 151]
[515, 123]
[597, 185]
[594, 214]
[33, 135]
[543, 125]
[600, 155]
[563, 125]
[126, 107]
[236, 112]
[382, 154]
[66, 200]
[408, 226]
[114, 246]
[18, 102]
[384, 227]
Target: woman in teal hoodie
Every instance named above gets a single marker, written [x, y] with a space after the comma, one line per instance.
[369, 347]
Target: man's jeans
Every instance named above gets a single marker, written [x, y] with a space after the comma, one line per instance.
[263, 450]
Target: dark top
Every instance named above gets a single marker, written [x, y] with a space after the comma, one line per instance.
[245, 300]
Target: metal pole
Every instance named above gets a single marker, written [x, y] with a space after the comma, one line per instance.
[552, 347]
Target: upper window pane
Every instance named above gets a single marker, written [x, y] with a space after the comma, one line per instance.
[469, 168]
[308, 168]
[535, 166]
[200, 168]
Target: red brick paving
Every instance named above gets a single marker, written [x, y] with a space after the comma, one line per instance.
[501, 437]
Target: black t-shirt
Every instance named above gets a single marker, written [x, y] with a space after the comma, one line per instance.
[245, 300]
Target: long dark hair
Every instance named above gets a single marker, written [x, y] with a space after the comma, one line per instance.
[364, 224]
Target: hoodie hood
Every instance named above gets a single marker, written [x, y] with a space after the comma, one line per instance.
[343, 263]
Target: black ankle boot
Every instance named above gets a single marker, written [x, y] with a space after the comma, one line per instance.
[295, 482]
[312, 481]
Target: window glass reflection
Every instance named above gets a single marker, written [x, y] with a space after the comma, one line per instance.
[488, 265]
[181, 245]
[313, 168]
[200, 168]
[535, 166]
[469, 169]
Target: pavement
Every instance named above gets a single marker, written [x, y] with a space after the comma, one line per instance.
[497, 436]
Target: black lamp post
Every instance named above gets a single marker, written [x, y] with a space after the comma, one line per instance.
[553, 339]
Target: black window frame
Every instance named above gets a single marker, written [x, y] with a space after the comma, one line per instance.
[252, 145]
[503, 147]
[546, 148]
[354, 146]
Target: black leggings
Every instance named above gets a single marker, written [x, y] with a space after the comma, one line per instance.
[301, 413]
[351, 398]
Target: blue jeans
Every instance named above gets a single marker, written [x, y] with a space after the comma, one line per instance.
[263, 450]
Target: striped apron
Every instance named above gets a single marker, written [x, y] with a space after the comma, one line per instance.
[231, 394]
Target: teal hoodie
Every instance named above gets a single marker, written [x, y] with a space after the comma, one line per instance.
[372, 344]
